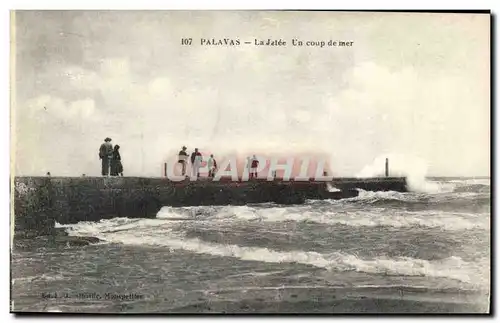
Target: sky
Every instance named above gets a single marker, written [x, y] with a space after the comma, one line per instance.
[412, 85]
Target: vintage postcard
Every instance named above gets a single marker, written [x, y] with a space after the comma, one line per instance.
[250, 162]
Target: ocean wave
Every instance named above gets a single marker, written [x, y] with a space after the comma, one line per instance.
[375, 217]
[473, 201]
[422, 185]
[476, 273]
[473, 188]
[372, 217]
[182, 213]
[86, 228]
[370, 197]
[472, 181]
[415, 169]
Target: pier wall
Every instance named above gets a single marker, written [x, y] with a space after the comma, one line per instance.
[41, 201]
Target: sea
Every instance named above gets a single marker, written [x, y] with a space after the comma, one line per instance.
[381, 252]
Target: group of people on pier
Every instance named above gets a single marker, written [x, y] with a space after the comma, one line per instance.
[110, 158]
[112, 165]
[196, 160]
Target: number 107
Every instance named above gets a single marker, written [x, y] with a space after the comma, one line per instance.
[186, 41]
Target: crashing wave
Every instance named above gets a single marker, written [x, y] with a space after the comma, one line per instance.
[475, 273]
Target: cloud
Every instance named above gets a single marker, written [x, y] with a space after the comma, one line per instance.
[380, 111]
[46, 107]
[80, 78]
[424, 96]
[408, 112]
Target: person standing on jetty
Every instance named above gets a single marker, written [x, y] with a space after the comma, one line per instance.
[105, 154]
[116, 162]
[196, 160]
[212, 166]
[183, 156]
[248, 166]
[254, 165]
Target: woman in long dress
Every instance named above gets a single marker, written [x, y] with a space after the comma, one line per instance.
[116, 162]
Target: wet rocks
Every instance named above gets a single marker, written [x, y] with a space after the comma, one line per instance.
[58, 238]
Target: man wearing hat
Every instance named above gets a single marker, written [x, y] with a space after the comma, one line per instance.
[183, 156]
[105, 154]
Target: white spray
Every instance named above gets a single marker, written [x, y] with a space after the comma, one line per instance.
[411, 167]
